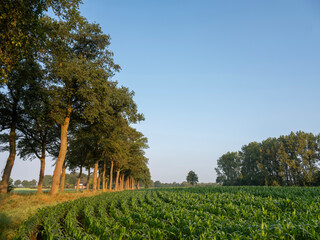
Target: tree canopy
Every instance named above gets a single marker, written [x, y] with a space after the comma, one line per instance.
[192, 178]
[58, 98]
[291, 160]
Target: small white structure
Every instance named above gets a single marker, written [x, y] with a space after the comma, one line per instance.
[81, 186]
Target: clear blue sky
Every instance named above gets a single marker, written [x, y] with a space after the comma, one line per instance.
[211, 76]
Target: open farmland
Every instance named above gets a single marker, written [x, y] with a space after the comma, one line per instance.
[183, 213]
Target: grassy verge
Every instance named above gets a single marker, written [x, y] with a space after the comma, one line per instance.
[17, 207]
[34, 190]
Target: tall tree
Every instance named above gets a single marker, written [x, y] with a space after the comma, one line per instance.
[192, 178]
[137, 162]
[17, 183]
[251, 174]
[269, 163]
[80, 67]
[291, 160]
[22, 36]
[79, 152]
[11, 109]
[39, 134]
[229, 168]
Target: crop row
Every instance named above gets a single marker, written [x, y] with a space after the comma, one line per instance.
[189, 213]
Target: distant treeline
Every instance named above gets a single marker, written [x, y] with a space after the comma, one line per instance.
[70, 181]
[291, 160]
[158, 184]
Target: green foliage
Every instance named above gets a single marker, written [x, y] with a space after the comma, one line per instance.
[47, 180]
[183, 213]
[10, 185]
[28, 184]
[56, 73]
[21, 30]
[80, 67]
[17, 183]
[33, 183]
[70, 180]
[192, 178]
[229, 168]
[158, 184]
[291, 160]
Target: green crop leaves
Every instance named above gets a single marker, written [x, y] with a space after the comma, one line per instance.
[185, 213]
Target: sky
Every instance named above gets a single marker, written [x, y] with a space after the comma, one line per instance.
[210, 76]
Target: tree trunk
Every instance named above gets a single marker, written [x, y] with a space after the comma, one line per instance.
[62, 154]
[63, 177]
[42, 167]
[88, 180]
[10, 161]
[129, 182]
[79, 178]
[41, 175]
[104, 175]
[99, 180]
[95, 175]
[117, 181]
[138, 185]
[111, 173]
[107, 182]
[121, 182]
[133, 182]
[126, 183]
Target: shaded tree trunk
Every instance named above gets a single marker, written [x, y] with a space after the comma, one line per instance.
[111, 174]
[104, 175]
[133, 183]
[129, 182]
[10, 161]
[95, 175]
[62, 154]
[107, 182]
[63, 177]
[42, 164]
[138, 185]
[41, 175]
[88, 180]
[117, 181]
[126, 183]
[121, 182]
[79, 178]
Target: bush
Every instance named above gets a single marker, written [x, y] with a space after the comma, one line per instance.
[10, 186]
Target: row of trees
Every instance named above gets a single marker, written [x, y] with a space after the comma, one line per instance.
[70, 181]
[57, 94]
[192, 178]
[158, 184]
[291, 160]
[24, 183]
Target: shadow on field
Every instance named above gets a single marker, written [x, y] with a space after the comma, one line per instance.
[5, 221]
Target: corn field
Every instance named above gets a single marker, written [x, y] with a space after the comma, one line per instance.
[183, 213]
